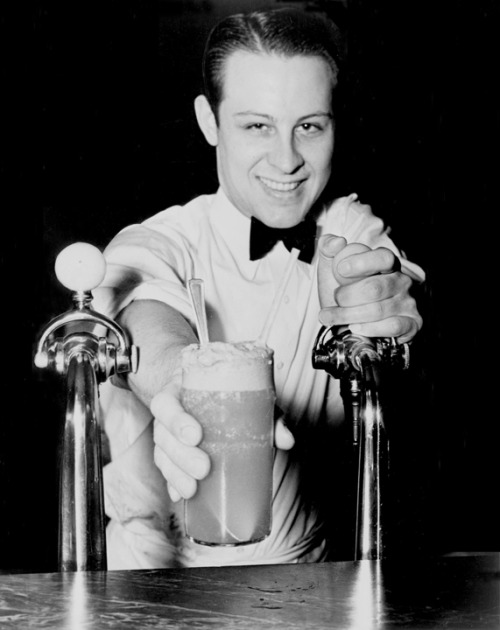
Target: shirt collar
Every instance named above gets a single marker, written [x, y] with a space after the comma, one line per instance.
[233, 226]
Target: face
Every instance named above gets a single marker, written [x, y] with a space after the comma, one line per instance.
[275, 135]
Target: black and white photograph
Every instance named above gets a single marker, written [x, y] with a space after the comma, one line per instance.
[250, 328]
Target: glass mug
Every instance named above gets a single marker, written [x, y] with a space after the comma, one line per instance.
[229, 389]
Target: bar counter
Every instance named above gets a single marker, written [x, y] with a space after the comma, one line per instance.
[451, 592]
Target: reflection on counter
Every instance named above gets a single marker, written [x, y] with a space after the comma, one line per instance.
[453, 592]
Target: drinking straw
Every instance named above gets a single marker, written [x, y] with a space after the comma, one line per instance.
[197, 295]
[294, 254]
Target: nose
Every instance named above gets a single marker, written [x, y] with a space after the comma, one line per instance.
[285, 155]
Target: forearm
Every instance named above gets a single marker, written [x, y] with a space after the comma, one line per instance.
[160, 333]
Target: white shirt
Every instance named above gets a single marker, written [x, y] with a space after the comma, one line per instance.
[209, 238]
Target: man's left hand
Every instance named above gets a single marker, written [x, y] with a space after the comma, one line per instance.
[374, 297]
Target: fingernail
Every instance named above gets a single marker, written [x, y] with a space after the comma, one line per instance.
[331, 245]
[174, 495]
[189, 435]
[199, 467]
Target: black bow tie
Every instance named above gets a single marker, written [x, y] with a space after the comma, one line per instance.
[301, 236]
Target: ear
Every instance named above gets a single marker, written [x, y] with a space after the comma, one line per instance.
[206, 120]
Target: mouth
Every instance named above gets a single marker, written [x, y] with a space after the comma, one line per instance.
[280, 187]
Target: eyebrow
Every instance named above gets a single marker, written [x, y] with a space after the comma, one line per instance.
[318, 114]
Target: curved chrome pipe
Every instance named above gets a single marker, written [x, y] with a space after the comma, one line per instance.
[357, 360]
[82, 538]
[71, 347]
[85, 360]
[373, 470]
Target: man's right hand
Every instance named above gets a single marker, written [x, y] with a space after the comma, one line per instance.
[177, 436]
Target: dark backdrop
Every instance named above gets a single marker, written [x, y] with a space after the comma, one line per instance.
[98, 132]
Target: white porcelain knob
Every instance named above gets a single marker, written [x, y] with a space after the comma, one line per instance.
[80, 267]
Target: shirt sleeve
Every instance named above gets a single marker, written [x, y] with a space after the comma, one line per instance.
[150, 261]
[356, 222]
[144, 263]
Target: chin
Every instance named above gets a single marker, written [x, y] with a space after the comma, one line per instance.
[283, 218]
[290, 220]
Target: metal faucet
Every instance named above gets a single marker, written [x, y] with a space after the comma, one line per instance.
[357, 362]
[86, 348]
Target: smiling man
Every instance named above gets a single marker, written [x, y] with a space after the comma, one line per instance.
[274, 134]
[268, 109]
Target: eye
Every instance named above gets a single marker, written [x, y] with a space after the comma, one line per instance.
[310, 128]
[257, 126]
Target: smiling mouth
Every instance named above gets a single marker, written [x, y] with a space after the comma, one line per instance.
[280, 186]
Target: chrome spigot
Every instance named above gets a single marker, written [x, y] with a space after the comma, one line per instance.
[357, 362]
[86, 348]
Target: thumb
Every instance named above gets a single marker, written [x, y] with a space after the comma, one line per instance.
[329, 246]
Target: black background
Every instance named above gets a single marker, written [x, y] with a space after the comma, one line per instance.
[98, 132]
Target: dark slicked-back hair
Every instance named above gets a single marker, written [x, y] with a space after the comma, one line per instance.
[286, 32]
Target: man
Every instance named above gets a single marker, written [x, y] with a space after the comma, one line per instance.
[268, 110]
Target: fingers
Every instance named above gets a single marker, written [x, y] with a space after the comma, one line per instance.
[167, 408]
[366, 263]
[176, 454]
[374, 289]
[181, 465]
[401, 328]
[378, 306]
[371, 296]
[334, 252]
[330, 245]
[177, 436]
[174, 495]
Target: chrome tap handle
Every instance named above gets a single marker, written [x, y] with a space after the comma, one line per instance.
[86, 347]
[81, 268]
[338, 351]
[356, 361]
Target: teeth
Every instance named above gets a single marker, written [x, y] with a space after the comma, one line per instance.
[281, 187]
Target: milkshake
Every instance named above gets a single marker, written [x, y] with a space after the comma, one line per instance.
[229, 389]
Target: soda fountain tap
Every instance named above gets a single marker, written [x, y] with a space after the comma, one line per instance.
[86, 348]
[357, 362]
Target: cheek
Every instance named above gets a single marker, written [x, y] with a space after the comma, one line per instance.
[318, 154]
[324, 156]
[323, 167]
[235, 155]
